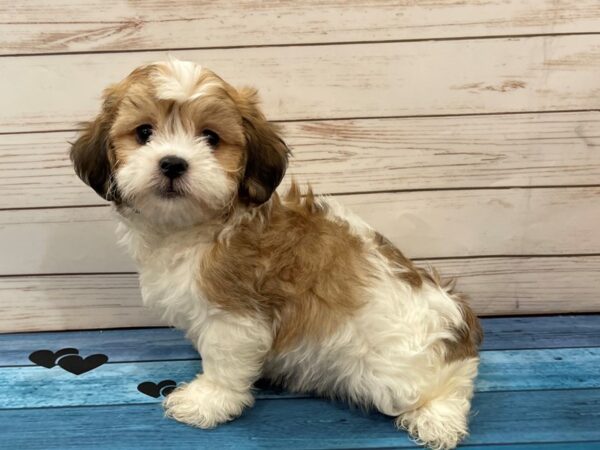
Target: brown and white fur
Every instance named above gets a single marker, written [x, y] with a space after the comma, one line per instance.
[292, 288]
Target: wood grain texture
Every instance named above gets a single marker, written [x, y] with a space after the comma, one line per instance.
[361, 156]
[71, 302]
[332, 81]
[527, 285]
[351, 72]
[423, 224]
[116, 383]
[496, 286]
[169, 344]
[42, 27]
[506, 417]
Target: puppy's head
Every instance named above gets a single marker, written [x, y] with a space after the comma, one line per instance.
[178, 145]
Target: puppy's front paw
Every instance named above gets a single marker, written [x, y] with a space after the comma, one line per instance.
[205, 404]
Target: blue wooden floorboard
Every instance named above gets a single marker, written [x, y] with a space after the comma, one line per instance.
[511, 333]
[502, 418]
[142, 344]
[510, 370]
[151, 344]
[546, 446]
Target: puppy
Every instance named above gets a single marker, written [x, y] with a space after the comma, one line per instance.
[295, 288]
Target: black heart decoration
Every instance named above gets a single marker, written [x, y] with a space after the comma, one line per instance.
[47, 358]
[151, 389]
[78, 365]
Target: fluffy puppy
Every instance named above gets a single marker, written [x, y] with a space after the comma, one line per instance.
[292, 288]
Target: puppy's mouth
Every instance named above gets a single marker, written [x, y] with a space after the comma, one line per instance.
[170, 190]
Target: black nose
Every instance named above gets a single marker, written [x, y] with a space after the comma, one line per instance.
[173, 166]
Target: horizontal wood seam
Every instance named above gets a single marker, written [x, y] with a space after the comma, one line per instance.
[280, 399]
[198, 358]
[339, 119]
[433, 258]
[306, 44]
[337, 194]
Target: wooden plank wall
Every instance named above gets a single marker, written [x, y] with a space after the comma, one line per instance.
[467, 131]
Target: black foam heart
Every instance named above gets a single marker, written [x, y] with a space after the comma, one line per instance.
[151, 389]
[78, 365]
[47, 358]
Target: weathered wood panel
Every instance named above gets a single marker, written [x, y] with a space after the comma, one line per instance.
[71, 25]
[332, 81]
[496, 286]
[72, 302]
[361, 156]
[424, 224]
[537, 285]
[356, 75]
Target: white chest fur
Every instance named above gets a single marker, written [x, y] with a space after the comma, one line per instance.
[169, 268]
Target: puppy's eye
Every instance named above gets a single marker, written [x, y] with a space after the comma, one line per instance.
[211, 138]
[143, 133]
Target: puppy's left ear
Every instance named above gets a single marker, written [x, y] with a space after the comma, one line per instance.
[266, 152]
[90, 152]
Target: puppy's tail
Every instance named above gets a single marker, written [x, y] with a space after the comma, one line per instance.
[441, 422]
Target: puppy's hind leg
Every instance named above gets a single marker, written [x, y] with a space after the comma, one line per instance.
[440, 423]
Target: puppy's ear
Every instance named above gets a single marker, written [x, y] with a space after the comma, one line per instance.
[266, 152]
[90, 152]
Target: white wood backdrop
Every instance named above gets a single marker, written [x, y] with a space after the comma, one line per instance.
[466, 131]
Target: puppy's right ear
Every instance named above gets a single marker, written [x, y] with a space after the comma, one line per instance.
[90, 151]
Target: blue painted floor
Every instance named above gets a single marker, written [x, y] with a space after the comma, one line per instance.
[538, 388]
